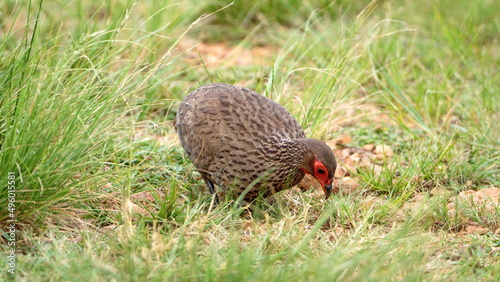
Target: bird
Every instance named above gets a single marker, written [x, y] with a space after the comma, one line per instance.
[247, 144]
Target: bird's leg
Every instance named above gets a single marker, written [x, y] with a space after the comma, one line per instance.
[211, 188]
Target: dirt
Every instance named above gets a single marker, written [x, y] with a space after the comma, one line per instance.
[486, 206]
[216, 54]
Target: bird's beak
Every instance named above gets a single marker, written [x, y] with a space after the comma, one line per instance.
[328, 190]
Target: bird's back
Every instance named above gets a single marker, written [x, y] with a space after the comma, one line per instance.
[216, 114]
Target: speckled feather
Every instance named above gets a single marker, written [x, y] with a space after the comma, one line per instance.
[236, 137]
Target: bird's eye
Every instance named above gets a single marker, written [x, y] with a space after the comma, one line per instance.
[320, 171]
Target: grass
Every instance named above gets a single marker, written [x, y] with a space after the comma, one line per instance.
[88, 92]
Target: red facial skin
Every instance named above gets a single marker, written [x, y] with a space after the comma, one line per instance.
[321, 174]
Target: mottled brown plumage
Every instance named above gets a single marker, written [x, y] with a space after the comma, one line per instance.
[244, 142]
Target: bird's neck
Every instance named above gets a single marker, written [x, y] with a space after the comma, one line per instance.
[290, 151]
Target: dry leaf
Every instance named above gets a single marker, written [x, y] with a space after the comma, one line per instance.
[383, 151]
[368, 147]
[472, 229]
[346, 186]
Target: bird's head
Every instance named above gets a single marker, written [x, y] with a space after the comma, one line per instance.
[319, 162]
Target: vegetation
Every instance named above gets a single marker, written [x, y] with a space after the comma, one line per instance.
[103, 190]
